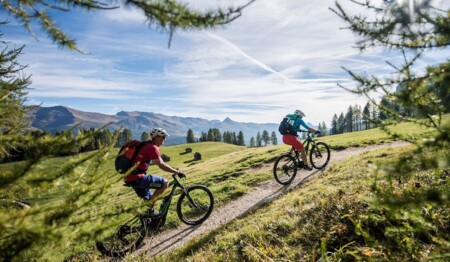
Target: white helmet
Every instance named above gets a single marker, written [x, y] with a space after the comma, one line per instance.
[158, 132]
[299, 113]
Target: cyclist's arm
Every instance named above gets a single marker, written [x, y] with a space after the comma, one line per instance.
[163, 166]
[310, 129]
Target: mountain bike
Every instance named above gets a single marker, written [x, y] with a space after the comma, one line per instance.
[285, 168]
[194, 206]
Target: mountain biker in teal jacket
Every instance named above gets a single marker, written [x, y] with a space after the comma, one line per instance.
[292, 140]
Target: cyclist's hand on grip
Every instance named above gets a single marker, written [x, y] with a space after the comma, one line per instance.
[181, 174]
[318, 132]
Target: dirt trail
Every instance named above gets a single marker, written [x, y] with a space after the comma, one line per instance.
[263, 193]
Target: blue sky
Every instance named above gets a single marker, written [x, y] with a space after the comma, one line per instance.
[277, 57]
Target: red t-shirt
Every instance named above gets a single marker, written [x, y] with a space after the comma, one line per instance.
[147, 153]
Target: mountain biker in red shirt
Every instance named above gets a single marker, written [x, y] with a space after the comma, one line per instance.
[292, 140]
[142, 182]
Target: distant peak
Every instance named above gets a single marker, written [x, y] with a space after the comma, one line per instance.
[228, 120]
[122, 113]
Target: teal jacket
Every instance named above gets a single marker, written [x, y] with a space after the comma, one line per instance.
[297, 122]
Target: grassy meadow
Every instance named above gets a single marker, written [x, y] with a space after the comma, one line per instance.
[335, 217]
[326, 218]
[322, 215]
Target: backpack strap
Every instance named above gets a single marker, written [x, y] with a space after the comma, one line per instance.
[137, 150]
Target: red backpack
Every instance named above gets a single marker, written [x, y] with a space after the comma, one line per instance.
[127, 153]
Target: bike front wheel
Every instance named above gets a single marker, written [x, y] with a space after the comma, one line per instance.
[127, 238]
[195, 205]
[319, 155]
[285, 169]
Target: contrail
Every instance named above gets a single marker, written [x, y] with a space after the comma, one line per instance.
[257, 62]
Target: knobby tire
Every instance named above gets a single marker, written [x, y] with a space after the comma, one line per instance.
[195, 205]
[127, 238]
[319, 155]
[285, 169]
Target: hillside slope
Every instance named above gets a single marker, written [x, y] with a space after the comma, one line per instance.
[263, 193]
[59, 118]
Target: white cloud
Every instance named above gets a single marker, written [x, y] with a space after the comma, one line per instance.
[278, 56]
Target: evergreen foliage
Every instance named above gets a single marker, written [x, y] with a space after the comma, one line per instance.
[252, 142]
[166, 15]
[190, 138]
[13, 85]
[145, 136]
[240, 139]
[29, 221]
[273, 138]
[265, 137]
[400, 219]
[25, 228]
[259, 139]
[123, 137]
[323, 129]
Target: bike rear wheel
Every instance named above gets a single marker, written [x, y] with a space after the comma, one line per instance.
[285, 169]
[195, 205]
[319, 155]
[127, 238]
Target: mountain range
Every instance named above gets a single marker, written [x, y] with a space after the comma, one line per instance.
[59, 118]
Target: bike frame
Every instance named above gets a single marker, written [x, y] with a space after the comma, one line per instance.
[308, 140]
[164, 208]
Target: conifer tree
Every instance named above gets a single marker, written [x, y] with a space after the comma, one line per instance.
[165, 15]
[273, 138]
[258, 139]
[366, 116]
[334, 125]
[395, 218]
[45, 208]
[265, 137]
[240, 139]
[190, 136]
[13, 91]
[252, 142]
[341, 123]
[145, 136]
[324, 130]
[349, 121]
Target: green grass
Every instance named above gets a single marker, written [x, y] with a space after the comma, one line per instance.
[374, 136]
[327, 218]
[229, 171]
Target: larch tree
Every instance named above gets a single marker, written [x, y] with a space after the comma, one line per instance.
[49, 229]
[273, 138]
[266, 137]
[169, 16]
[145, 136]
[252, 142]
[394, 217]
[190, 138]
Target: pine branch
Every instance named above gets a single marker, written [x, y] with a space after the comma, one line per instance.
[168, 15]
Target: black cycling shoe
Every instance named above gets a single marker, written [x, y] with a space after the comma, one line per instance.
[154, 214]
[308, 168]
[300, 164]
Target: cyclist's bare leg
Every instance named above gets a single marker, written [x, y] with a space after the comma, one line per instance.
[304, 158]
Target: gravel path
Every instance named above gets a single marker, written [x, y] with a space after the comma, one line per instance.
[263, 193]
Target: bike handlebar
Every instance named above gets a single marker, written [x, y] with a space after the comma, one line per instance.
[179, 174]
[307, 131]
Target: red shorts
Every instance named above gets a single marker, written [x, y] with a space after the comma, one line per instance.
[293, 141]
